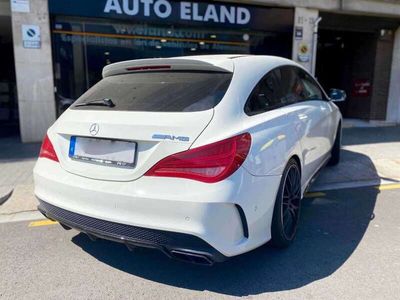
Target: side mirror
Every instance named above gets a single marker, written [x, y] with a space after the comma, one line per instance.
[337, 95]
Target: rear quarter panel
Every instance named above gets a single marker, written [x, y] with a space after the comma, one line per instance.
[274, 142]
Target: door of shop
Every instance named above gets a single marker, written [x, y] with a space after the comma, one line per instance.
[345, 61]
[8, 102]
[354, 54]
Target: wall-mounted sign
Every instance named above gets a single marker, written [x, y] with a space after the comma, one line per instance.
[187, 11]
[303, 54]
[183, 12]
[20, 6]
[31, 36]
[298, 33]
[361, 88]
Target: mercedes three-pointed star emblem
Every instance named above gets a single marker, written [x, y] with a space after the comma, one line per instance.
[94, 129]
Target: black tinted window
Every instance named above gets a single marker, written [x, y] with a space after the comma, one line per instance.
[290, 86]
[265, 95]
[278, 88]
[297, 85]
[283, 86]
[311, 90]
[159, 91]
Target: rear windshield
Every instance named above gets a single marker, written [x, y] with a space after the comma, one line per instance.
[159, 91]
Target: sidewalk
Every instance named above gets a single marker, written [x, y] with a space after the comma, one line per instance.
[16, 182]
[370, 156]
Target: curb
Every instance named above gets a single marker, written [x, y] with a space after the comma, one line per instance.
[353, 123]
[352, 184]
[21, 216]
[5, 196]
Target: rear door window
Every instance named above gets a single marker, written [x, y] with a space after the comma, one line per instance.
[265, 95]
[311, 89]
[280, 87]
[172, 91]
[291, 87]
[297, 85]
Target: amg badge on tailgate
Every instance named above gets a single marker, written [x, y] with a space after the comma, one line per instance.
[159, 136]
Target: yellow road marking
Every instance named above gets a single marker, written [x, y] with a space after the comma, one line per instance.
[314, 195]
[42, 223]
[388, 187]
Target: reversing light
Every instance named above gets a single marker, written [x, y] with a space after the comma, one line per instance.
[47, 150]
[210, 163]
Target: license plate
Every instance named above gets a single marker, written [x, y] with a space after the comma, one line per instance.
[103, 151]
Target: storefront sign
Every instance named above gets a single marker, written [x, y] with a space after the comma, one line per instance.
[182, 12]
[187, 11]
[361, 88]
[20, 6]
[31, 36]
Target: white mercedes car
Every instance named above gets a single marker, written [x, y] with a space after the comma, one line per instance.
[201, 157]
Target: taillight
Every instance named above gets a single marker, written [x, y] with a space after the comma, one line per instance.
[47, 150]
[210, 163]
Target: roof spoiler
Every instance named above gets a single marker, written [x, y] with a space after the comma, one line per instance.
[156, 64]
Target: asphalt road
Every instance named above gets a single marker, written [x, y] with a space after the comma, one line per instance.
[348, 247]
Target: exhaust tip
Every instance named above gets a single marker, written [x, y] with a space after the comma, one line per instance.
[190, 257]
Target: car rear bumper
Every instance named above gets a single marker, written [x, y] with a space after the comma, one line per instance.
[232, 216]
[175, 245]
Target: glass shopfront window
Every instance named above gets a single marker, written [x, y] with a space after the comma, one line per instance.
[82, 46]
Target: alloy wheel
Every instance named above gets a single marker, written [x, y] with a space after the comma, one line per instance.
[290, 208]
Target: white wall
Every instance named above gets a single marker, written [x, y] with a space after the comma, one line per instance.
[304, 19]
[393, 107]
[34, 74]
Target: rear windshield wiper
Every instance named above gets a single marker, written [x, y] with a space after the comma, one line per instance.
[97, 102]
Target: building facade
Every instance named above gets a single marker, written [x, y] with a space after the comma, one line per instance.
[53, 50]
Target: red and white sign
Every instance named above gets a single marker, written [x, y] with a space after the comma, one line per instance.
[361, 88]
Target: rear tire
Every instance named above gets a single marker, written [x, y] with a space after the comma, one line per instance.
[335, 152]
[287, 207]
